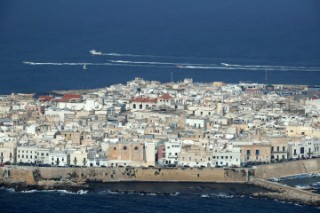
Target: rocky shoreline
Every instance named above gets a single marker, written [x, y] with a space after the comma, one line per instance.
[156, 181]
[257, 189]
[45, 185]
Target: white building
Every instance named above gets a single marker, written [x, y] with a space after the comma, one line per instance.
[227, 157]
[196, 122]
[172, 151]
[78, 158]
[306, 148]
[43, 156]
[7, 154]
[58, 158]
[27, 154]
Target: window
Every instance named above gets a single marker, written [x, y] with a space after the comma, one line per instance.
[278, 149]
[302, 150]
[258, 152]
[125, 148]
[134, 106]
[114, 148]
[283, 148]
[248, 152]
[295, 152]
[136, 148]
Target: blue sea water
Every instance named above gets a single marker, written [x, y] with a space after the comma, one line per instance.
[104, 201]
[194, 36]
[187, 38]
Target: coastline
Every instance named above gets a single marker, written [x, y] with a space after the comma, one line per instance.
[148, 181]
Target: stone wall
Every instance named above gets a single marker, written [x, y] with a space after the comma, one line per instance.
[287, 168]
[32, 175]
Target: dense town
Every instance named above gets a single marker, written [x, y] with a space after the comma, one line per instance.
[148, 123]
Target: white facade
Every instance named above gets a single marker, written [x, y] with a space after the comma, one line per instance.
[27, 154]
[7, 155]
[172, 151]
[304, 149]
[58, 158]
[227, 157]
[78, 158]
[196, 122]
[43, 156]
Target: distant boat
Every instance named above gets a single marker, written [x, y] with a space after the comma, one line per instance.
[84, 66]
[224, 64]
[94, 52]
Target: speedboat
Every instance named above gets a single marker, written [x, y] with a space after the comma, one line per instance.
[94, 52]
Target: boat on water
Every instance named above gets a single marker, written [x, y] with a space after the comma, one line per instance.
[94, 52]
[84, 66]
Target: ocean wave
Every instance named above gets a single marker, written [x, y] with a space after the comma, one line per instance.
[303, 187]
[219, 195]
[171, 65]
[142, 62]
[174, 194]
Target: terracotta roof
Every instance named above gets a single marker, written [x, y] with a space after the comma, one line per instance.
[45, 98]
[67, 98]
[166, 96]
[70, 96]
[149, 100]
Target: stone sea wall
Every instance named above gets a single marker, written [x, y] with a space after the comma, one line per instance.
[34, 175]
[79, 176]
[287, 169]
